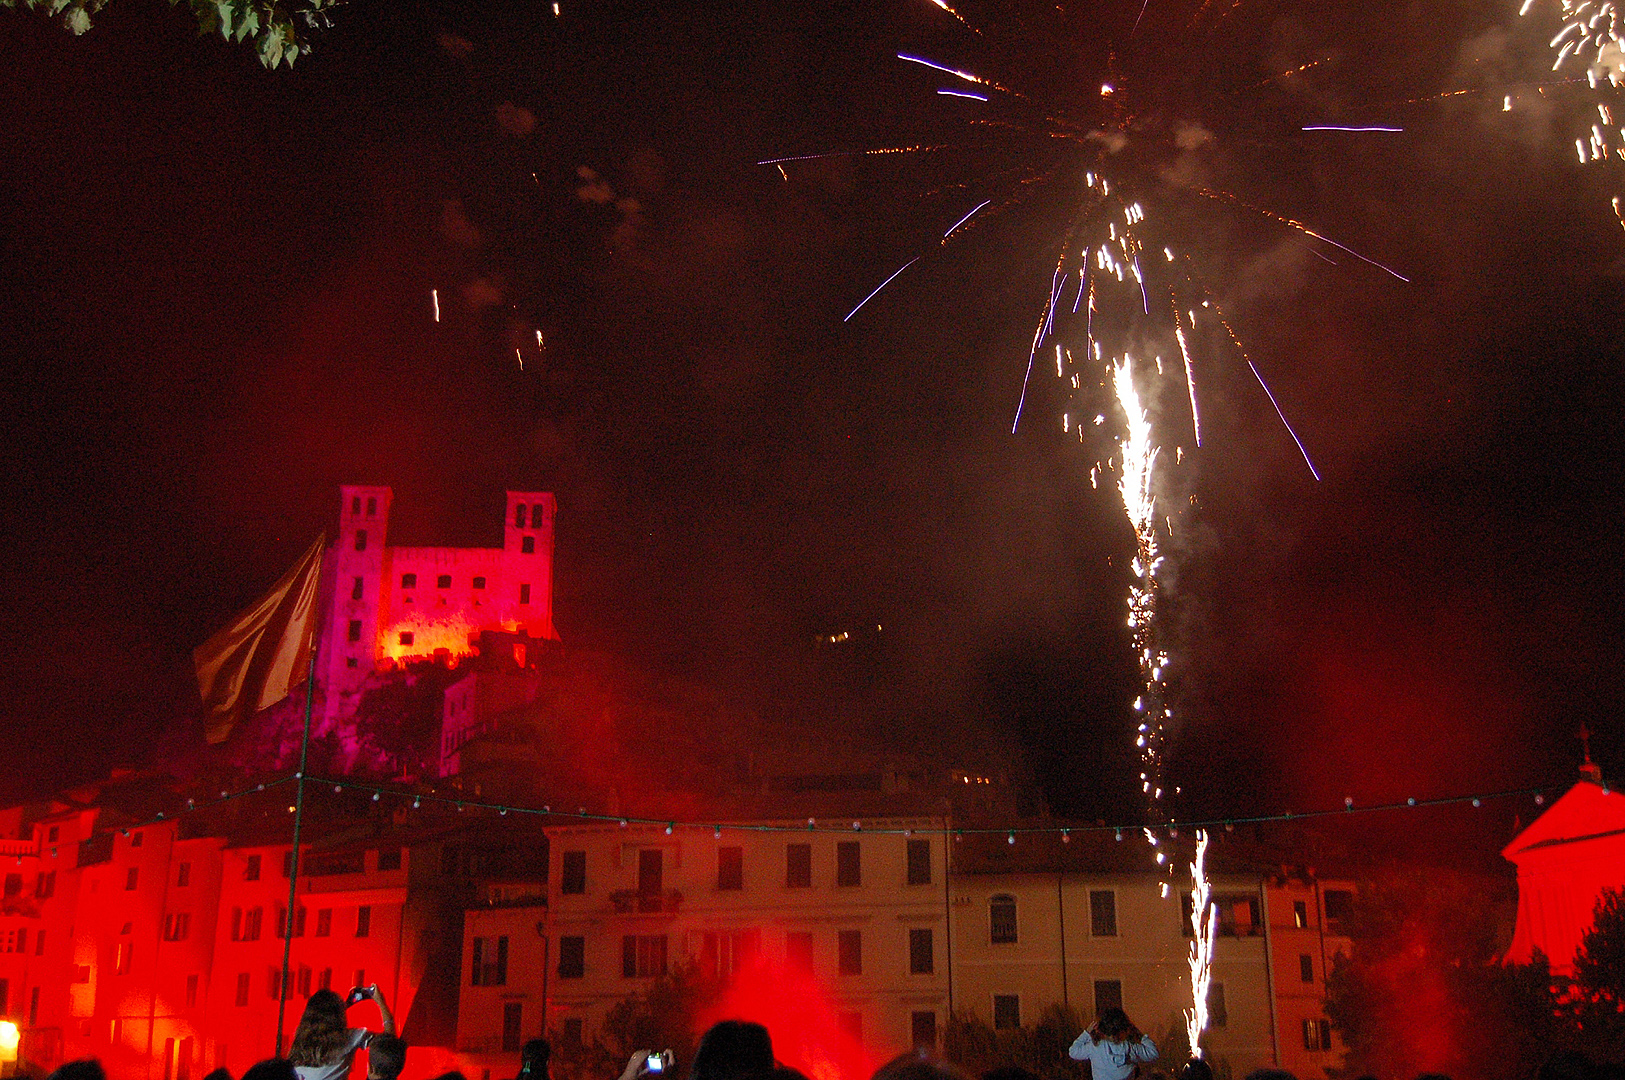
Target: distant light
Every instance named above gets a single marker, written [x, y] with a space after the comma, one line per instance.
[1106, 90]
[555, 11]
[8, 1041]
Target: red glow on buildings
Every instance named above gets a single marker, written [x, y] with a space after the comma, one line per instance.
[809, 1032]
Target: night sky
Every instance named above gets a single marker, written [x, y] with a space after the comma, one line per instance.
[215, 306]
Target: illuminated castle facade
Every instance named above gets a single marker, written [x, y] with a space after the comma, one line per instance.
[392, 604]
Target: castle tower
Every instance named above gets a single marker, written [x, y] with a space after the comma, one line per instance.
[356, 566]
[527, 556]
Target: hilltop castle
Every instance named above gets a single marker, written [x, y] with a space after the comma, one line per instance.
[389, 604]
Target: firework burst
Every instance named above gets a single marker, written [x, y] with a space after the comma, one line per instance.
[1133, 331]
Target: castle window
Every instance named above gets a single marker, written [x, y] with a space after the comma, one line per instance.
[406, 637]
[519, 516]
[361, 539]
[409, 581]
[351, 662]
[355, 629]
[524, 594]
[355, 505]
[443, 581]
[355, 590]
[479, 583]
[372, 506]
[527, 545]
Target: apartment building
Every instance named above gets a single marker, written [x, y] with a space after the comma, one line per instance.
[1086, 924]
[857, 919]
[1304, 918]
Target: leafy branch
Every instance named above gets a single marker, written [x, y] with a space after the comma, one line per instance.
[278, 29]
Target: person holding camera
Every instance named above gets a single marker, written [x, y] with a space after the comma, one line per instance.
[324, 1044]
[1113, 1047]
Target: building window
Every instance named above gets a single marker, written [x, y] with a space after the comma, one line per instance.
[360, 977]
[121, 958]
[1306, 967]
[355, 630]
[1300, 914]
[443, 581]
[798, 866]
[251, 923]
[643, 956]
[355, 506]
[1109, 995]
[849, 952]
[490, 964]
[1001, 919]
[651, 881]
[273, 983]
[527, 545]
[131, 876]
[39, 943]
[1339, 906]
[136, 838]
[570, 1031]
[519, 515]
[389, 859]
[730, 868]
[242, 989]
[45, 884]
[302, 982]
[363, 920]
[351, 662]
[361, 539]
[512, 1017]
[372, 505]
[409, 581]
[572, 957]
[33, 1007]
[479, 583]
[573, 876]
[919, 873]
[848, 868]
[524, 594]
[923, 1028]
[177, 926]
[52, 834]
[850, 1024]
[1317, 1035]
[921, 955]
[183, 875]
[1218, 1015]
[1006, 1012]
[1103, 912]
[355, 590]
[191, 991]
[798, 951]
[407, 637]
[327, 979]
[324, 922]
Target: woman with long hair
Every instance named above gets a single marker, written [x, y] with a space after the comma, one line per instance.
[1113, 1047]
[324, 1044]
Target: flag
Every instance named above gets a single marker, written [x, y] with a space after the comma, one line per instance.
[257, 659]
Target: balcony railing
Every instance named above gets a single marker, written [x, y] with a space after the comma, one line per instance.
[631, 901]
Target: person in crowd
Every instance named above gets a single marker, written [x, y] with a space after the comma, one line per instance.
[1113, 1047]
[271, 1069]
[533, 1059]
[217, 1074]
[1196, 1069]
[1566, 1065]
[918, 1065]
[324, 1044]
[731, 1049]
[1269, 1074]
[82, 1069]
[453, 1075]
[386, 1057]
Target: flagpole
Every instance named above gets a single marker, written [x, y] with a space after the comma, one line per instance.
[298, 823]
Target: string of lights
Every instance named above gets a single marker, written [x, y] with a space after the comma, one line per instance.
[841, 825]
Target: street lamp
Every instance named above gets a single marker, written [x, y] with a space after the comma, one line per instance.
[8, 1047]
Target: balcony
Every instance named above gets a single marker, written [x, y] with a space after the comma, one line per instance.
[633, 902]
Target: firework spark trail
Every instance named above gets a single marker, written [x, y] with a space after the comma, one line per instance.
[1204, 927]
[962, 21]
[882, 285]
[1190, 379]
[919, 148]
[974, 211]
[963, 94]
[1293, 223]
[1348, 127]
[958, 74]
[1284, 423]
